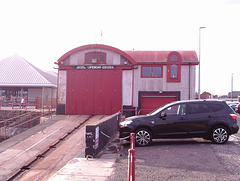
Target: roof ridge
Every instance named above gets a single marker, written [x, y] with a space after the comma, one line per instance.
[42, 73]
[34, 68]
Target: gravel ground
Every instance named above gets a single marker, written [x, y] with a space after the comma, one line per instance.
[189, 159]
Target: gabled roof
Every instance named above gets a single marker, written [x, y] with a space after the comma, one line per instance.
[162, 56]
[15, 71]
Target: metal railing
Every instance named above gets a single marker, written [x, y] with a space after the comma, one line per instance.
[16, 103]
[144, 111]
[48, 112]
[136, 111]
[22, 122]
[128, 112]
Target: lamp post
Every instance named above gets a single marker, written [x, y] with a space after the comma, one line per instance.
[232, 89]
[199, 60]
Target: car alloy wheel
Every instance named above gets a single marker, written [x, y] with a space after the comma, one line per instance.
[143, 137]
[220, 135]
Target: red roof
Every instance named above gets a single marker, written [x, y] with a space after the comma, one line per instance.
[162, 56]
[138, 56]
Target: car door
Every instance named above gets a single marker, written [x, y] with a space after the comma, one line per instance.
[171, 121]
[199, 115]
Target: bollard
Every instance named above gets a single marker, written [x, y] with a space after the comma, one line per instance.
[131, 158]
[131, 164]
[132, 140]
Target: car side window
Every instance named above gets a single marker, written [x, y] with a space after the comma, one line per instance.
[217, 107]
[176, 110]
[197, 108]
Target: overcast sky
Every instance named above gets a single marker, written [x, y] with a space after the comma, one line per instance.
[41, 31]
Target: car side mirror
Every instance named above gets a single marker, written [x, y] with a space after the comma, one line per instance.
[163, 115]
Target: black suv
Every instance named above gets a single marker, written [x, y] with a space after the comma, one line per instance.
[209, 119]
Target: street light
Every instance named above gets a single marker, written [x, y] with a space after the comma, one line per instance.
[199, 60]
[232, 89]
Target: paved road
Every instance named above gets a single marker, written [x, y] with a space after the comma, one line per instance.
[189, 159]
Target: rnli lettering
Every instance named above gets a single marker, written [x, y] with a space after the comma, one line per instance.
[95, 67]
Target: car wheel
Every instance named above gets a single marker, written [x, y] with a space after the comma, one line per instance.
[219, 135]
[143, 137]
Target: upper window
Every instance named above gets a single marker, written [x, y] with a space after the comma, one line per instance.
[174, 71]
[174, 67]
[150, 71]
[174, 58]
[95, 58]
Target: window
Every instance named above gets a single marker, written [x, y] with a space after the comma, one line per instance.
[198, 108]
[151, 71]
[156, 71]
[13, 92]
[217, 107]
[174, 71]
[102, 58]
[146, 72]
[174, 58]
[174, 67]
[88, 58]
[176, 110]
[95, 58]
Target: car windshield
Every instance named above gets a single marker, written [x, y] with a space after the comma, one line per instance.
[158, 110]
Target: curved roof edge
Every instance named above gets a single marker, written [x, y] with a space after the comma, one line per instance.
[124, 54]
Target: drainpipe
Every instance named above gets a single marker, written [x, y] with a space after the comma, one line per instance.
[189, 82]
[51, 96]
[42, 96]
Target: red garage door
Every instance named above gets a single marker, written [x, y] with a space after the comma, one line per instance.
[94, 92]
[151, 102]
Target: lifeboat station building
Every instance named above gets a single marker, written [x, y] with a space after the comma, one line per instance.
[99, 79]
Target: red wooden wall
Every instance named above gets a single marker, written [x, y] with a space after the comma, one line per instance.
[94, 92]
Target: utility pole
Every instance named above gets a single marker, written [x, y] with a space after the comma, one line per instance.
[232, 89]
[199, 62]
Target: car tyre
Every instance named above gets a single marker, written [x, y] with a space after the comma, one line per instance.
[143, 137]
[219, 135]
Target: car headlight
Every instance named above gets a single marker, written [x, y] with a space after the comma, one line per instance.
[125, 123]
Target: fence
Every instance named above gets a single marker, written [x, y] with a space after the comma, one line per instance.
[16, 103]
[35, 103]
[135, 112]
[49, 102]
[97, 136]
[17, 124]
